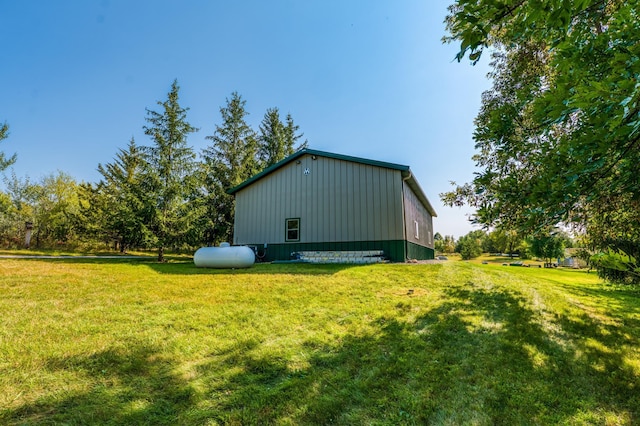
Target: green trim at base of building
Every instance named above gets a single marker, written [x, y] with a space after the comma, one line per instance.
[418, 252]
[394, 250]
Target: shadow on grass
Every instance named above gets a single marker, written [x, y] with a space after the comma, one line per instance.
[618, 299]
[482, 357]
[188, 268]
[443, 367]
[182, 266]
[126, 387]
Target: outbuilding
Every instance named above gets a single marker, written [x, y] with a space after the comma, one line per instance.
[325, 202]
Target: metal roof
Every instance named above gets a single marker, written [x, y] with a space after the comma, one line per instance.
[406, 172]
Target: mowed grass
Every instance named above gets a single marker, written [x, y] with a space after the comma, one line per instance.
[134, 342]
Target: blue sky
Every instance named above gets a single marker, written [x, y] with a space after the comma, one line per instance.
[365, 78]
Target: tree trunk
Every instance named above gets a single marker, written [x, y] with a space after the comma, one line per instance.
[161, 254]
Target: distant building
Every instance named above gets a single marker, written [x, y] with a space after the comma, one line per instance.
[570, 260]
[320, 201]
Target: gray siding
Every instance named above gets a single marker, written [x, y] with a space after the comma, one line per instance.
[415, 211]
[337, 201]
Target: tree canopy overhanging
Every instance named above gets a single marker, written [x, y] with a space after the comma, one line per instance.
[558, 134]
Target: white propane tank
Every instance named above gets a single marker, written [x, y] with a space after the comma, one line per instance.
[224, 256]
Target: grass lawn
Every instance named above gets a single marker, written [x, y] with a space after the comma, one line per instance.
[120, 341]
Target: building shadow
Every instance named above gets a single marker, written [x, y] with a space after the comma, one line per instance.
[485, 356]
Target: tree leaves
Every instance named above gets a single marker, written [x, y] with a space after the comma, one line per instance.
[560, 128]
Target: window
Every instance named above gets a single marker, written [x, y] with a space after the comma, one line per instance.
[293, 229]
[417, 235]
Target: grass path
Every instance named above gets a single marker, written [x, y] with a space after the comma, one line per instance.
[97, 341]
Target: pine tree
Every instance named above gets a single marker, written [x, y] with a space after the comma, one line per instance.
[126, 206]
[271, 139]
[291, 137]
[277, 140]
[231, 159]
[4, 161]
[170, 167]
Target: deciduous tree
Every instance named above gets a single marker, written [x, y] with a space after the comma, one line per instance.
[558, 134]
[470, 246]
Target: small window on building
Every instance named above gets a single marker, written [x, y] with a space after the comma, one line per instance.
[415, 222]
[293, 230]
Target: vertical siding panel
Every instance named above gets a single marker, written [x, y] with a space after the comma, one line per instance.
[311, 225]
[384, 202]
[311, 215]
[325, 233]
[377, 202]
[255, 218]
[408, 206]
[246, 216]
[362, 189]
[396, 205]
[354, 225]
[353, 204]
[390, 204]
[324, 208]
[237, 223]
[282, 214]
[289, 199]
[336, 181]
[302, 193]
[272, 209]
[284, 206]
[343, 193]
[334, 173]
[247, 200]
[295, 194]
[306, 225]
[371, 208]
[415, 211]
[328, 221]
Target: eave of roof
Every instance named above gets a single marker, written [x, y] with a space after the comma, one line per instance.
[406, 172]
[415, 187]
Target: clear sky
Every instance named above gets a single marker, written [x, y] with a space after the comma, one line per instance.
[367, 78]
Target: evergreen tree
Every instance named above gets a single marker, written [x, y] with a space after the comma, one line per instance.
[126, 206]
[231, 159]
[4, 161]
[291, 136]
[271, 139]
[277, 139]
[170, 166]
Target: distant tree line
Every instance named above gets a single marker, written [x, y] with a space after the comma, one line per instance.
[547, 247]
[163, 195]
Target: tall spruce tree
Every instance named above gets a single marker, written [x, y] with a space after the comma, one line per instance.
[231, 159]
[291, 136]
[126, 206]
[5, 161]
[170, 167]
[271, 139]
[277, 139]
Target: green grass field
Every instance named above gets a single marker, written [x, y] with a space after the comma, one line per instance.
[134, 342]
